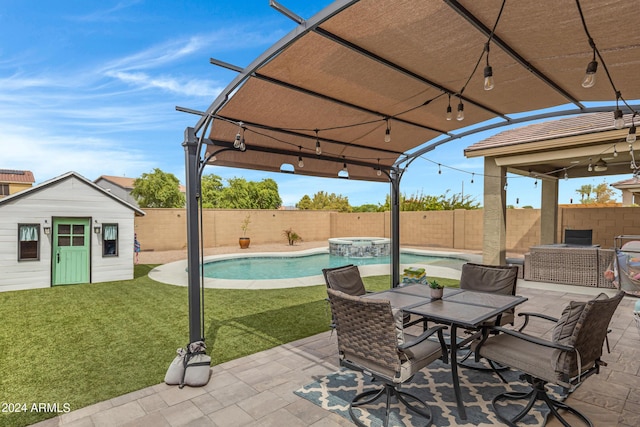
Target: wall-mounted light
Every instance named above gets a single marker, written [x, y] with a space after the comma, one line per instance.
[97, 229]
[45, 228]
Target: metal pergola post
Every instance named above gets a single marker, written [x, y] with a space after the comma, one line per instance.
[395, 175]
[190, 145]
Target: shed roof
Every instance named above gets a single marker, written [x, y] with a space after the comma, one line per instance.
[46, 184]
[127, 183]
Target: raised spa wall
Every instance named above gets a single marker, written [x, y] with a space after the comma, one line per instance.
[360, 247]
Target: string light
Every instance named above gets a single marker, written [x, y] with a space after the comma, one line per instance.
[318, 149]
[300, 161]
[449, 113]
[615, 150]
[236, 142]
[589, 79]
[439, 169]
[535, 183]
[488, 71]
[472, 175]
[506, 184]
[590, 167]
[566, 174]
[460, 116]
[378, 171]
[387, 133]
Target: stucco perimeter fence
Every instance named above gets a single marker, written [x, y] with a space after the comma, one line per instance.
[165, 229]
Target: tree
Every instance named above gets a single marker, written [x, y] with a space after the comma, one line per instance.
[602, 192]
[211, 187]
[243, 194]
[325, 201]
[369, 207]
[158, 189]
[443, 202]
[585, 194]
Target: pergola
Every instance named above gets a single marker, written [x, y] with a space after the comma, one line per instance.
[363, 88]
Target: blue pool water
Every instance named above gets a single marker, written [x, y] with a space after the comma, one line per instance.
[284, 267]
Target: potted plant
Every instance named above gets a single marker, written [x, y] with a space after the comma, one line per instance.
[292, 236]
[437, 289]
[244, 241]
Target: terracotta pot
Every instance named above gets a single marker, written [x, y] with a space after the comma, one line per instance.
[437, 293]
[244, 242]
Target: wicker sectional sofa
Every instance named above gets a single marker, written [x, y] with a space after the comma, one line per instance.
[567, 264]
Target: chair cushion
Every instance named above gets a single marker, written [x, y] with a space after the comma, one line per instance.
[488, 278]
[398, 318]
[563, 333]
[346, 279]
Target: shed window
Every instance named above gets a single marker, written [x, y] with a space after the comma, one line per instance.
[110, 240]
[28, 241]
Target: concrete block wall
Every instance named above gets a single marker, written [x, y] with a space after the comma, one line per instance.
[165, 229]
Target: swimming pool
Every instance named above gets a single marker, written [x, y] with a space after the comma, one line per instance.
[286, 267]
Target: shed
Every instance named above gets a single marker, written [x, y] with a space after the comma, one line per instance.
[64, 231]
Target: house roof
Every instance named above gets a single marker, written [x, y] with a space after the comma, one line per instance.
[68, 175]
[580, 146]
[127, 183]
[343, 77]
[627, 184]
[16, 176]
[120, 181]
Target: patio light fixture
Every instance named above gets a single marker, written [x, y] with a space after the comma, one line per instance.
[97, 229]
[488, 72]
[460, 116]
[590, 167]
[318, 149]
[45, 228]
[300, 161]
[387, 133]
[600, 166]
[449, 113]
[589, 79]
[238, 140]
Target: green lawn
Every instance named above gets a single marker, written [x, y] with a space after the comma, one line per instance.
[82, 344]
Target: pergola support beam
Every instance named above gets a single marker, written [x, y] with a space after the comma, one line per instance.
[190, 145]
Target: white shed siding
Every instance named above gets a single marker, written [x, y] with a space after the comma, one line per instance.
[69, 197]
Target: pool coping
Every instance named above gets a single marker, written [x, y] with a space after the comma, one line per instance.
[175, 273]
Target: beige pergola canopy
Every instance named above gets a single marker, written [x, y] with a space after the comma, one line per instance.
[358, 68]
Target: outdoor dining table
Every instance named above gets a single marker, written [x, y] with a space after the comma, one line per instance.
[457, 308]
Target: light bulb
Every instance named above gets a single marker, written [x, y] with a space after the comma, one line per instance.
[590, 168]
[631, 136]
[378, 172]
[300, 162]
[449, 113]
[488, 78]
[318, 149]
[460, 116]
[236, 142]
[566, 175]
[615, 151]
[243, 146]
[387, 135]
[590, 76]
[618, 120]
[344, 167]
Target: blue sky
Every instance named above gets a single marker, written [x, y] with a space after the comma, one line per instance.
[92, 87]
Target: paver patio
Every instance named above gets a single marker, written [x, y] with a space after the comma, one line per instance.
[257, 390]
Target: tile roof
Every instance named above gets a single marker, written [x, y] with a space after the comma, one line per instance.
[551, 129]
[16, 176]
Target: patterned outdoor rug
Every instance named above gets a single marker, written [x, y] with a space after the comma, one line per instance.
[433, 385]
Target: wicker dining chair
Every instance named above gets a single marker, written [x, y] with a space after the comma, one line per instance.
[572, 355]
[371, 339]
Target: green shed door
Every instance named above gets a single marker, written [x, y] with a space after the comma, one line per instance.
[71, 239]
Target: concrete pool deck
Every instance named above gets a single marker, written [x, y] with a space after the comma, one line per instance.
[174, 273]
